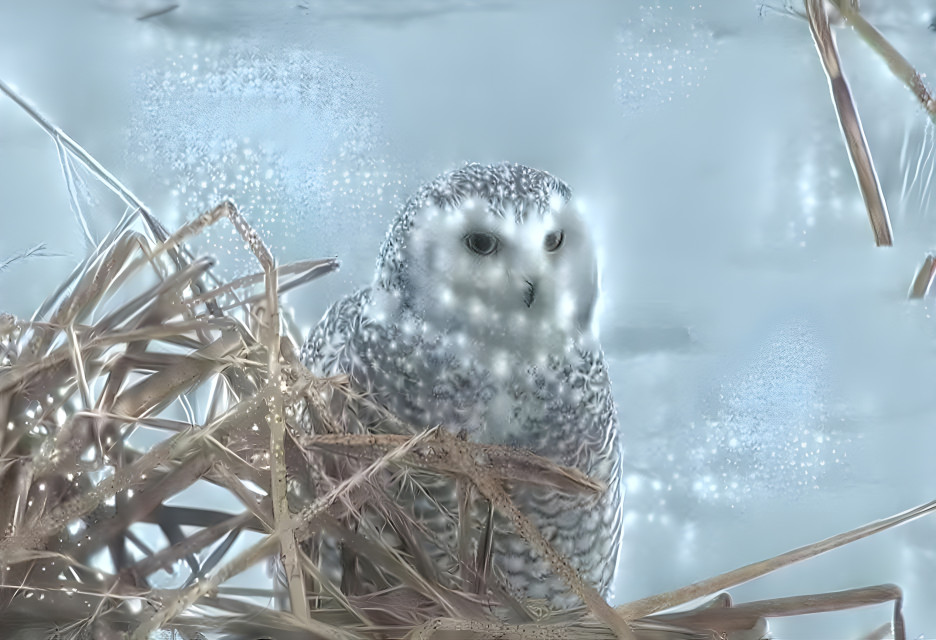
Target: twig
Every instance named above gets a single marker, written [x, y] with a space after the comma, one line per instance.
[270, 333]
[850, 123]
[492, 489]
[653, 604]
[61, 138]
[15, 548]
[441, 454]
[898, 65]
[308, 270]
[71, 183]
[39, 251]
[741, 615]
[266, 546]
[924, 278]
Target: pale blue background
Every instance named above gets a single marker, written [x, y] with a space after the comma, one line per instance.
[774, 385]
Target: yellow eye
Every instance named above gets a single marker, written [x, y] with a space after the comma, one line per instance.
[483, 244]
[553, 240]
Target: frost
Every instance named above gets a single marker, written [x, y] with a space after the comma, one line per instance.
[771, 434]
[770, 428]
[917, 166]
[290, 138]
[662, 56]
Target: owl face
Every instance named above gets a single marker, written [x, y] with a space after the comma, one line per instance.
[518, 272]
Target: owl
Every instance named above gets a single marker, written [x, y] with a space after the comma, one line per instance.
[480, 319]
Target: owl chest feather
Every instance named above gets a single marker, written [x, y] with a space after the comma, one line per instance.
[558, 406]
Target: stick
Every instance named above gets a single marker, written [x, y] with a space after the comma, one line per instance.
[924, 278]
[850, 123]
[653, 604]
[898, 65]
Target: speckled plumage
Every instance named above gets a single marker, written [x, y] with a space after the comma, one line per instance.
[500, 346]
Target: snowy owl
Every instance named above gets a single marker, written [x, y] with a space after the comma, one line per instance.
[480, 319]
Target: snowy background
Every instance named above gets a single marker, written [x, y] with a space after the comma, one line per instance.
[774, 385]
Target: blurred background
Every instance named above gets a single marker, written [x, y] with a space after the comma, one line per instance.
[774, 384]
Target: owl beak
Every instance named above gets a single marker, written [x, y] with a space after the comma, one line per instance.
[529, 294]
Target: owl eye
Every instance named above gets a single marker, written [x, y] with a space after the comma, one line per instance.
[483, 244]
[553, 240]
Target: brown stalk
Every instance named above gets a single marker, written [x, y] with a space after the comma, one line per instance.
[898, 65]
[924, 278]
[12, 548]
[653, 604]
[264, 548]
[273, 398]
[439, 453]
[850, 123]
[744, 616]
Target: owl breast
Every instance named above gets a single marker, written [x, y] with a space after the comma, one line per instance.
[558, 405]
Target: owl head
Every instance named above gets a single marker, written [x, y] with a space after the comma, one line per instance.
[498, 253]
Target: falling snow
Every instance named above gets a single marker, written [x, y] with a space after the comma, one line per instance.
[663, 56]
[225, 141]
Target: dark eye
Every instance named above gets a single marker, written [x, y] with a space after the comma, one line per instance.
[553, 240]
[481, 243]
